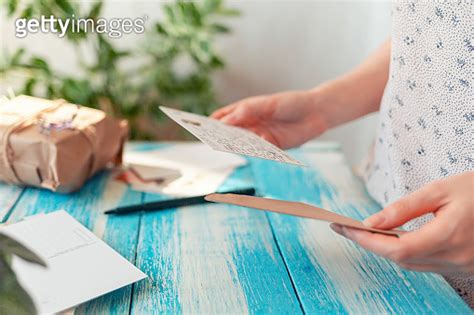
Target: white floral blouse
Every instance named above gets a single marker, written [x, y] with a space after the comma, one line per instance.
[425, 129]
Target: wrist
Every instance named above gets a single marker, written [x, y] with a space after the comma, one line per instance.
[343, 99]
[326, 103]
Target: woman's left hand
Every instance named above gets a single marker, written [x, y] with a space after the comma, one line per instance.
[445, 245]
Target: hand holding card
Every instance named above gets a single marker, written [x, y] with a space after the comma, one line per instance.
[222, 137]
[295, 208]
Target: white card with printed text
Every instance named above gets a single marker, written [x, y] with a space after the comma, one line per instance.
[222, 137]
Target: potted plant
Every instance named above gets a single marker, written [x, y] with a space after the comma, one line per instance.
[186, 33]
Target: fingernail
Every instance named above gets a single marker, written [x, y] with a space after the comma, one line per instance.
[352, 234]
[346, 232]
[336, 228]
[374, 220]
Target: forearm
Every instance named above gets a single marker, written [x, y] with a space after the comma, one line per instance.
[356, 93]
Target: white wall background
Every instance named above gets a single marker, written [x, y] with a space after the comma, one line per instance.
[275, 46]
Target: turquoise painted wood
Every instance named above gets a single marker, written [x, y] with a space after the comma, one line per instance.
[225, 259]
[99, 194]
[211, 259]
[331, 274]
[8, 197]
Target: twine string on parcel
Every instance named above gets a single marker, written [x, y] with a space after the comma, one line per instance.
[7, 157]
[6, 153]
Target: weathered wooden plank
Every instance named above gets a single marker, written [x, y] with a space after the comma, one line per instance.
[8, 196]
[87, 205]
[211, 259]
[331, 274]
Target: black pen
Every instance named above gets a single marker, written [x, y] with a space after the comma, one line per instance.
[174, 203]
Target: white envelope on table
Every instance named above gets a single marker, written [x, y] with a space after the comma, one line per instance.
[81, 267]
[185, 156]
[202, 169]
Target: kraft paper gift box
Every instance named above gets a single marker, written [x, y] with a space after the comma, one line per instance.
[56, 145]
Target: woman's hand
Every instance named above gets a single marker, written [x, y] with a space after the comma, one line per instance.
[445, 245]
[284, 119]
[292, 118]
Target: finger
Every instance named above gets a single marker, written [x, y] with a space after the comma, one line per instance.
[388, 247]
[264, 134]
[461, 260]
[242, 116]
[457, 257]
[382, 245]
[399, 250]
[461, 257]
[443, 257]
[336, 228]
[432, 238]
[434, 267]
[235, 116]
[425, 200]
[429, 239]
[233, 119]
[221, 112]
[424, 267]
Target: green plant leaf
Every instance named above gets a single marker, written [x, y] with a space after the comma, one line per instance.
[66, 7]
[16, 58]
[107, 54]
[13, 298]
[28, 89]
[191, 13]
[41, 64]
[12, 6]
[161, 29]
[96, 10]
[186, 28]
[51, 91]
[27, 12]
[219, 28]
[77, 91]
[216, 62]
[201, 51]
[210, 6]
[13, 247]
[169, 12]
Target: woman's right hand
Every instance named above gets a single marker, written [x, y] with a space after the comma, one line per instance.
[285, 119]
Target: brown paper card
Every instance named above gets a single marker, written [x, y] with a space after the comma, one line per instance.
[298, 209]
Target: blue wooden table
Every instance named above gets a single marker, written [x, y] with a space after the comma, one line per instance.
[225, 259]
